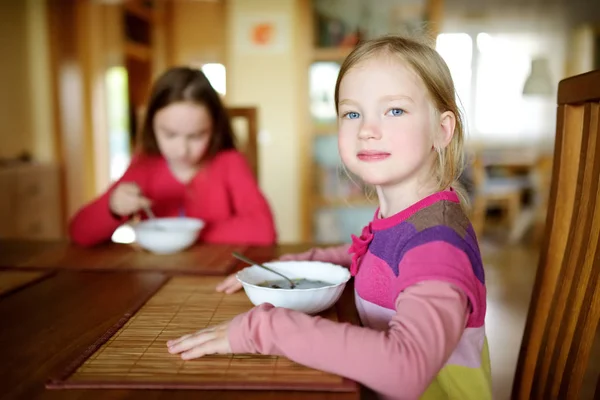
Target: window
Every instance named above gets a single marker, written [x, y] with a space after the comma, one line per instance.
[217, 76]
[322, 78]
[118, 121]
[457, 51]
[489, 71]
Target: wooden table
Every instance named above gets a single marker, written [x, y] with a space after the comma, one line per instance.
[47, 322]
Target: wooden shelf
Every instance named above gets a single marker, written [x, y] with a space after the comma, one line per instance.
[331, 53]
[137, 9]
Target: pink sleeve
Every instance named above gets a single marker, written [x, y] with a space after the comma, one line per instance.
[429, 321]
[334, 254]
[94, 223]
[253, 220]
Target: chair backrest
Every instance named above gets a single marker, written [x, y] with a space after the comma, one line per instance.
[477, 169]
[247, 143]
[562, 323]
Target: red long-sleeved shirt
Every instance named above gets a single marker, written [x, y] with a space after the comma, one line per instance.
[224, 194]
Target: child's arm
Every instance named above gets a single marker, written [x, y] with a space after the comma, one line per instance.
[429, 321]
[94, 223]
[253, 221]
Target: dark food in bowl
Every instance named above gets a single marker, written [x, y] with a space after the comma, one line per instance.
[298, 284]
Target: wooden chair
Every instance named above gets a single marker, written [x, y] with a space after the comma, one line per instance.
[533, 216]
[488, 191]
[248, 143]
[555, 359]
[543, 176]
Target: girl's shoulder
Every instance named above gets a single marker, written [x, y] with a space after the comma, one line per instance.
[231, 164]
[231, 158]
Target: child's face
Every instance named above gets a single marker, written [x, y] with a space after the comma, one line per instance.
[183, 131]
[385, 124]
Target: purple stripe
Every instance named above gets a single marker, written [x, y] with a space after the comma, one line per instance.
[386, 245]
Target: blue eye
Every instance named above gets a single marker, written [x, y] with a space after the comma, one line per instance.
[396, 112]
[352, 115]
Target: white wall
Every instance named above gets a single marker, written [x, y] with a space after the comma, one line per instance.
[271, 82]
[581, 51]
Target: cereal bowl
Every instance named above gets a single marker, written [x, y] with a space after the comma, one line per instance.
[329, 281]
[167, 235]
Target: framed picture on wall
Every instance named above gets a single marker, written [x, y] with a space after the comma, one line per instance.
[263, 33]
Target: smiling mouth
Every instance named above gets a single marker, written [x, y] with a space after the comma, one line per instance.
[369, 156]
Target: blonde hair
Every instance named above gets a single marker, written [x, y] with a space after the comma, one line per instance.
[435, 75]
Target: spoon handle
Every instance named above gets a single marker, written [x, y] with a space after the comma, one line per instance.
[249, 261]
[149, 212]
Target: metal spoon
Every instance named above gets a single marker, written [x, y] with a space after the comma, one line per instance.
[249, 261]
[149, 212]
[151, 215]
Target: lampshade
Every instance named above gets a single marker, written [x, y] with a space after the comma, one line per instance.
[539, 82]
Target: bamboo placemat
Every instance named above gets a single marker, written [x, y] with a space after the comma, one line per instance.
[134, 354]
[12, 280]
[199, 259]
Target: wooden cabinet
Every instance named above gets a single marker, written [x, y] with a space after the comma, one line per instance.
[138, 20]
[30, 205]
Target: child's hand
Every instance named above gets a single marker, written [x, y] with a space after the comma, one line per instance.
[127, 199]
[305, 256]
[212, 340]
[229, 285]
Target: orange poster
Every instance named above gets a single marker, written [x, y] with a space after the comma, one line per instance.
[262, 33]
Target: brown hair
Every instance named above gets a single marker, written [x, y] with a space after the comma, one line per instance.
[435, 75]
[190, 85]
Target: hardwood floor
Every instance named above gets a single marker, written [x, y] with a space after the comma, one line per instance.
[510, 274]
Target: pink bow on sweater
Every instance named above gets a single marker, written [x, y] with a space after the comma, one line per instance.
[359, 247]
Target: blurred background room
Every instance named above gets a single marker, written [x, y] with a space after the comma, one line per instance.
[75, 76]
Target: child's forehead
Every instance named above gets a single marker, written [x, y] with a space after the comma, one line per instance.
[375, 63]
[385, 71]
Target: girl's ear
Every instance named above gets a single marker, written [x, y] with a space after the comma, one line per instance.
[445, 131]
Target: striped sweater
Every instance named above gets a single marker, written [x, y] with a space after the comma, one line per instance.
[420, 293]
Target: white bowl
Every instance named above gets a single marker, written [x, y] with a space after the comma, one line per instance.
[310, 301]
[167, 235]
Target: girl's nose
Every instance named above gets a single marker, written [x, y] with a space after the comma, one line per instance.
[182, 149]
[369, 132]
[185, 151]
